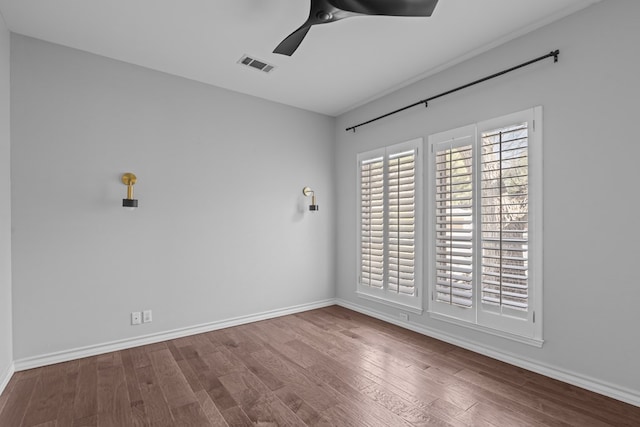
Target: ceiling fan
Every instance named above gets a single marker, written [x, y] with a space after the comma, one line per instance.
[326, 11]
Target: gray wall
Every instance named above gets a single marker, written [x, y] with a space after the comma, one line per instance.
[6, 345]
[591, 174]
[222, 229]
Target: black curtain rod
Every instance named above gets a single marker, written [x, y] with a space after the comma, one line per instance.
[553, 54]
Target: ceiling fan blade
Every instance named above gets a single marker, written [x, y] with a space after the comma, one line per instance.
[326, 11]
[321, 12]
[293, 40]
[386, 7]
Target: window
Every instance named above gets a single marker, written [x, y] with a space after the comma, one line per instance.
[485, 216]
[389, 224]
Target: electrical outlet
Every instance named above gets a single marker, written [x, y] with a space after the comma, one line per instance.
[404, 316]
[146, 316]
[136, 318]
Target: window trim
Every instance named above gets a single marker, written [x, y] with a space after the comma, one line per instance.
[535, 342]
[503, 326]
[411, 303]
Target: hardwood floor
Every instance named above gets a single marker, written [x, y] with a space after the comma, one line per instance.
[330, 367]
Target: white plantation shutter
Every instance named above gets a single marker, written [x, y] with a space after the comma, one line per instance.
[451, 213]
[505, 217]
[401, 222]
[454, 223]
[372, 222]
[486, 220]
[389, 252]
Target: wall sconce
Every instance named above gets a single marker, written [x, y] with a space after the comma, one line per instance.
[308, 191]
[129, 180]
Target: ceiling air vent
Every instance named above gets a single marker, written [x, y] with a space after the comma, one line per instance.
[255, 63]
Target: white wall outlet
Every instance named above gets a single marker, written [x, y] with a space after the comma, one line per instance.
[404, 316]
[146, 316]
[136, 318]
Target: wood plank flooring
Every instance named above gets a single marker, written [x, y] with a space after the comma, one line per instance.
[326, 367]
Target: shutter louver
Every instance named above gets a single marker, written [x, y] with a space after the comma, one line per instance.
[454, 224]
[372, 223]
[505, 218]
[401, 190]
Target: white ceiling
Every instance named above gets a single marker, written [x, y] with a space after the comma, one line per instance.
[337, 67]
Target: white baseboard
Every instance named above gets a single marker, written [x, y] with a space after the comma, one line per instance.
[6, 376]
[597, 386]
[93, 350]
